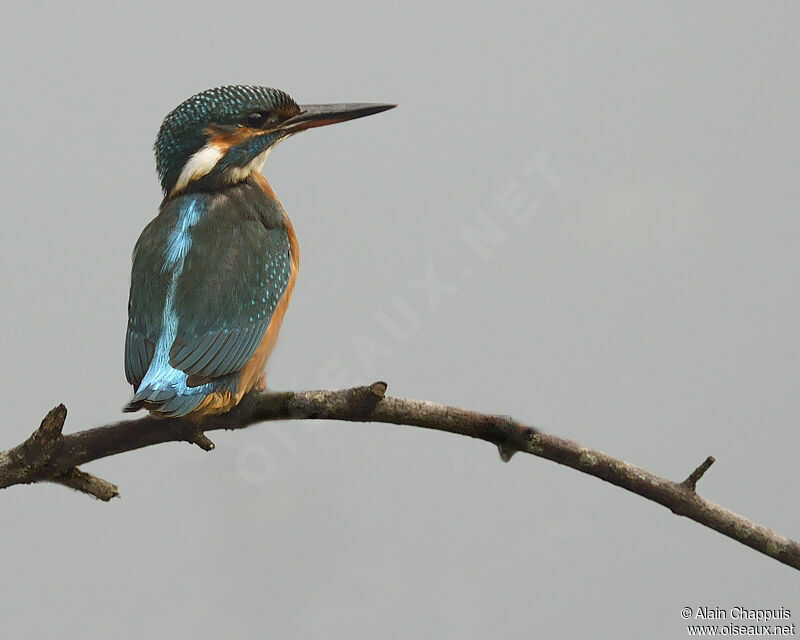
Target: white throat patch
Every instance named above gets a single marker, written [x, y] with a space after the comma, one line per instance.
[200, 164]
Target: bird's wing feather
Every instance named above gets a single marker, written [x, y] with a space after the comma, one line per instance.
[145, 304]
[233, 276]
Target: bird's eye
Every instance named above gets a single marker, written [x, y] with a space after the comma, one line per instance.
[256, 119]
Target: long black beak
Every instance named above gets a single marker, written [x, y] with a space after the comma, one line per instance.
[318, 115]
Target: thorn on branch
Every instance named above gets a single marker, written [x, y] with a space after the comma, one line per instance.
[510, 432]
[379, 388]
[694, 477]
[506, 452]
[87, 483]
[201, 440]
[363, 400]
[49, 430]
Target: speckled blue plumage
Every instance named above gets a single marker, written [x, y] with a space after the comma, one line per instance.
[181, 133]
[208, 272]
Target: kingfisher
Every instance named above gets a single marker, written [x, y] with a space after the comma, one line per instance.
[213, 272]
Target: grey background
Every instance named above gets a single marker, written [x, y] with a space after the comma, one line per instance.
[646, 307]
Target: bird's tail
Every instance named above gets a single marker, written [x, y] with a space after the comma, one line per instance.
[166, 402]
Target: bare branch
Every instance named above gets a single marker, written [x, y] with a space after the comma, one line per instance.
[50, 456]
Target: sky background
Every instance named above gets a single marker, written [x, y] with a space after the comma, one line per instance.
[633, 167]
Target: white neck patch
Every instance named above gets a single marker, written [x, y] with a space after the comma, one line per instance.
[200, 164]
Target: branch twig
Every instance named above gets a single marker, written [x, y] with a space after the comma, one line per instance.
[694, 476]
[48, 455]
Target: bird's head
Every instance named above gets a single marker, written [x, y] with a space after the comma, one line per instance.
[222, 135]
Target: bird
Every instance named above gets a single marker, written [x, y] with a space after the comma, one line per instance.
[214, 271]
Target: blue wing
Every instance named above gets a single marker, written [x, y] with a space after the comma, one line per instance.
[223, 312]
[207, 276]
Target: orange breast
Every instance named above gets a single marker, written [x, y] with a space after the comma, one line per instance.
[251, 373]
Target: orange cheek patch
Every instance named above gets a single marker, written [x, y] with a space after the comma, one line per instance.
[227, 138]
